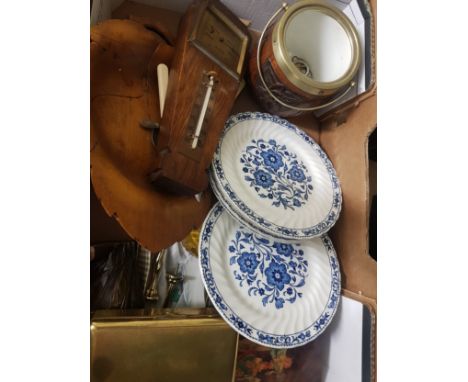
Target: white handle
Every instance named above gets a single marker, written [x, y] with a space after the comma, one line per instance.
[201, 117]
[163, 76]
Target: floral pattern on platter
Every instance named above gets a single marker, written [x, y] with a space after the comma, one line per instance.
[273, 271]
[273, 340]
[276, 174]
[247, 214]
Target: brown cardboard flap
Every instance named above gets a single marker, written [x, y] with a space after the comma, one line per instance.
[346, 145]
[344, 138]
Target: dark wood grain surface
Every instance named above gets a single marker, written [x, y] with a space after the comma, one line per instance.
[176, 168]
[124, 56]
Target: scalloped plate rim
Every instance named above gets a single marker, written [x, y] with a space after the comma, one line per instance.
[219, 209]
[251, 216]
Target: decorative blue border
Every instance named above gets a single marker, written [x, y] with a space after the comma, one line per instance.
[245, 212]
[235, 215]
[237, 323]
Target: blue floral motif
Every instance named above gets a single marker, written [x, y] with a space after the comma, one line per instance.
[297, 174]
[272, 270]
[268, 339]
[324, 319]
[336, 199]
[275, 173]
[277, 275]
[241, 325]
[207, 230]
[263, 179]
[271, 158]
[285, 249]
[247, 262]
[262, 225]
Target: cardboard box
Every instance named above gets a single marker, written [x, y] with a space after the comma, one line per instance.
[343, 134]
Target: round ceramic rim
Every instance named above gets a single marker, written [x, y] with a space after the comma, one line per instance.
[278, 341]
[247, 215]
[252, 225]
[235, 215]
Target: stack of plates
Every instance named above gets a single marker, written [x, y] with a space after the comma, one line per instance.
[274, 178]
[267, 263]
